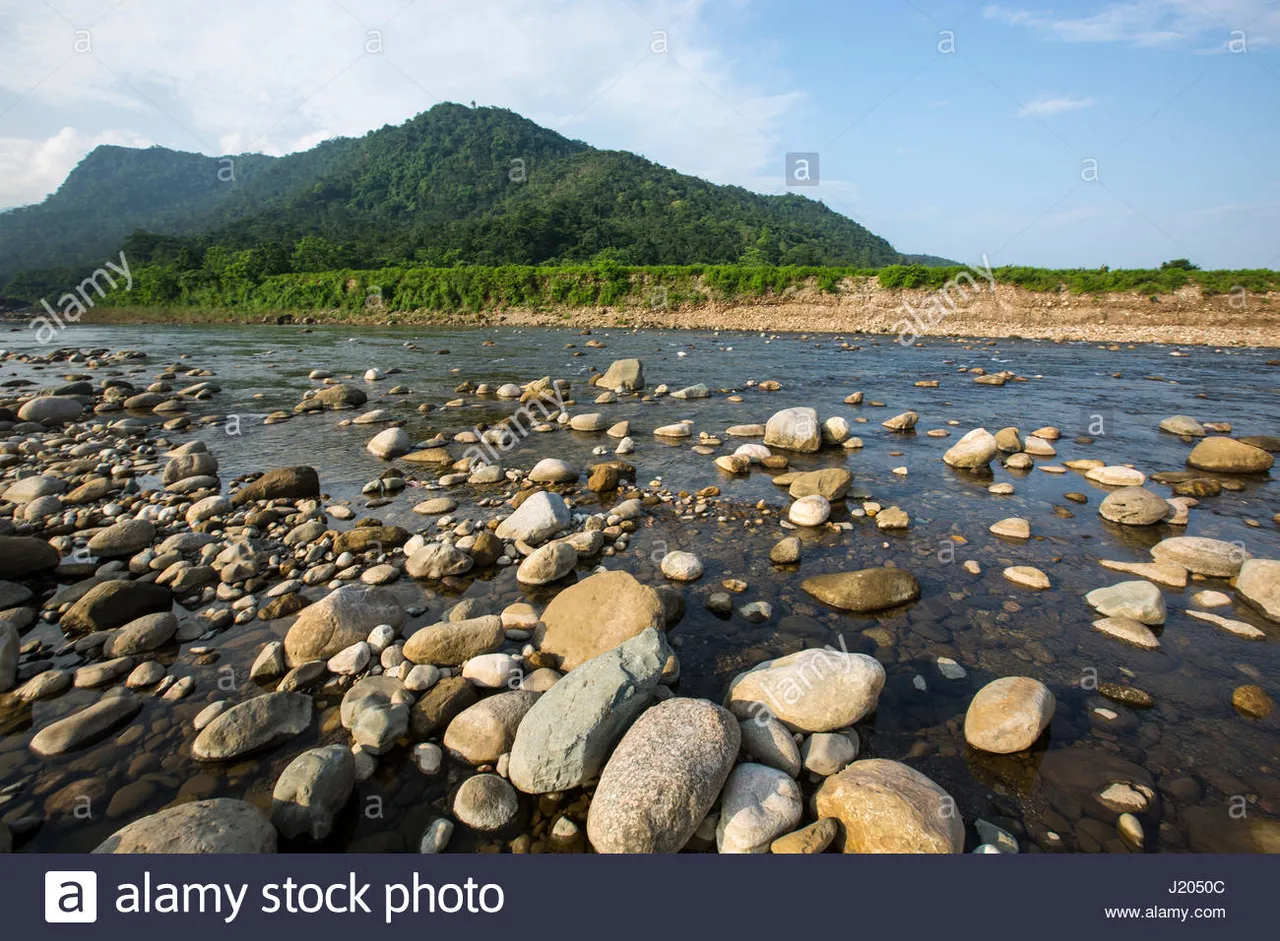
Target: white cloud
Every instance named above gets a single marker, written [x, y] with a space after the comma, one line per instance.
[277, 77]
[29, 169]
[1044, 107]
[1154, 22]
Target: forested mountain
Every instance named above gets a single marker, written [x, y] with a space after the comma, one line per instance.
[454, 185]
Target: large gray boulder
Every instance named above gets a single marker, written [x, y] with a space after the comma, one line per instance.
[221, 825]
[311, 790]
[663, 777]
[1134, 506]
[565, 738]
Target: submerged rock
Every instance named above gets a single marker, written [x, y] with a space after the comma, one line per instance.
[865, 590]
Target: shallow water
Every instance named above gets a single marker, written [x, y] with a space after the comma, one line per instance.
[987, 624]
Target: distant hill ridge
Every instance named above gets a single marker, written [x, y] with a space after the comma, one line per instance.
[452, 185]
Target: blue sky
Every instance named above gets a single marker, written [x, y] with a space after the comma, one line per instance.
[951, 128]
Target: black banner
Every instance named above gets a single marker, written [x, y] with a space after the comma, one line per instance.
[693, 895]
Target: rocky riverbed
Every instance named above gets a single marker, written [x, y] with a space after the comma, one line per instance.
[637, 592]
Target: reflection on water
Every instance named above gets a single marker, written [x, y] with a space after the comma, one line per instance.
[1202, 760]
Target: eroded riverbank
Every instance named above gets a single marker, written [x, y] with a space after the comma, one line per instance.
[1185, 317]
[1193, 769]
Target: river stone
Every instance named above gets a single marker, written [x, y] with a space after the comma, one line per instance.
[438, 705]
[1008, 715]
[681, 566]
[794, 429]
[221, 825]
[21, 556]
[663, 778]
[34, 487]
[830, 482]
[1014, 527]
[813, 510]
[1129, 631]
[786, 551]
[866, 590]
[86, 725]
[887, 807]
[807, 841]
[1183, 425]
[338, 620]
[1201, 555]
[311, 790]
[595, 615]
[389, 444]
[566, 736]
[769, 742]
[1228, 456]
[1259, 584]
[553, 470]
[1028, 576]
[1139, 600]
[186, 466]
[759, 804]
[253, 724]
[142, 635]
[976, 449]
[123, 538]
[809, 691]
[904, 422]
[538, 518]
[486, 802]
[588, 421]
[51, 409]
[1116, 476]
[438, 560]
[481, 733]
[1134, 506]
[114, 603]
[341, 396]
[451, 643]
[547, 564]
[623, 374]
[293, 483]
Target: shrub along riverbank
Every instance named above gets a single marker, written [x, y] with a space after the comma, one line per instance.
[469, 288]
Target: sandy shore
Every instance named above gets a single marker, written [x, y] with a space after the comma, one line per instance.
[1187, 317]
